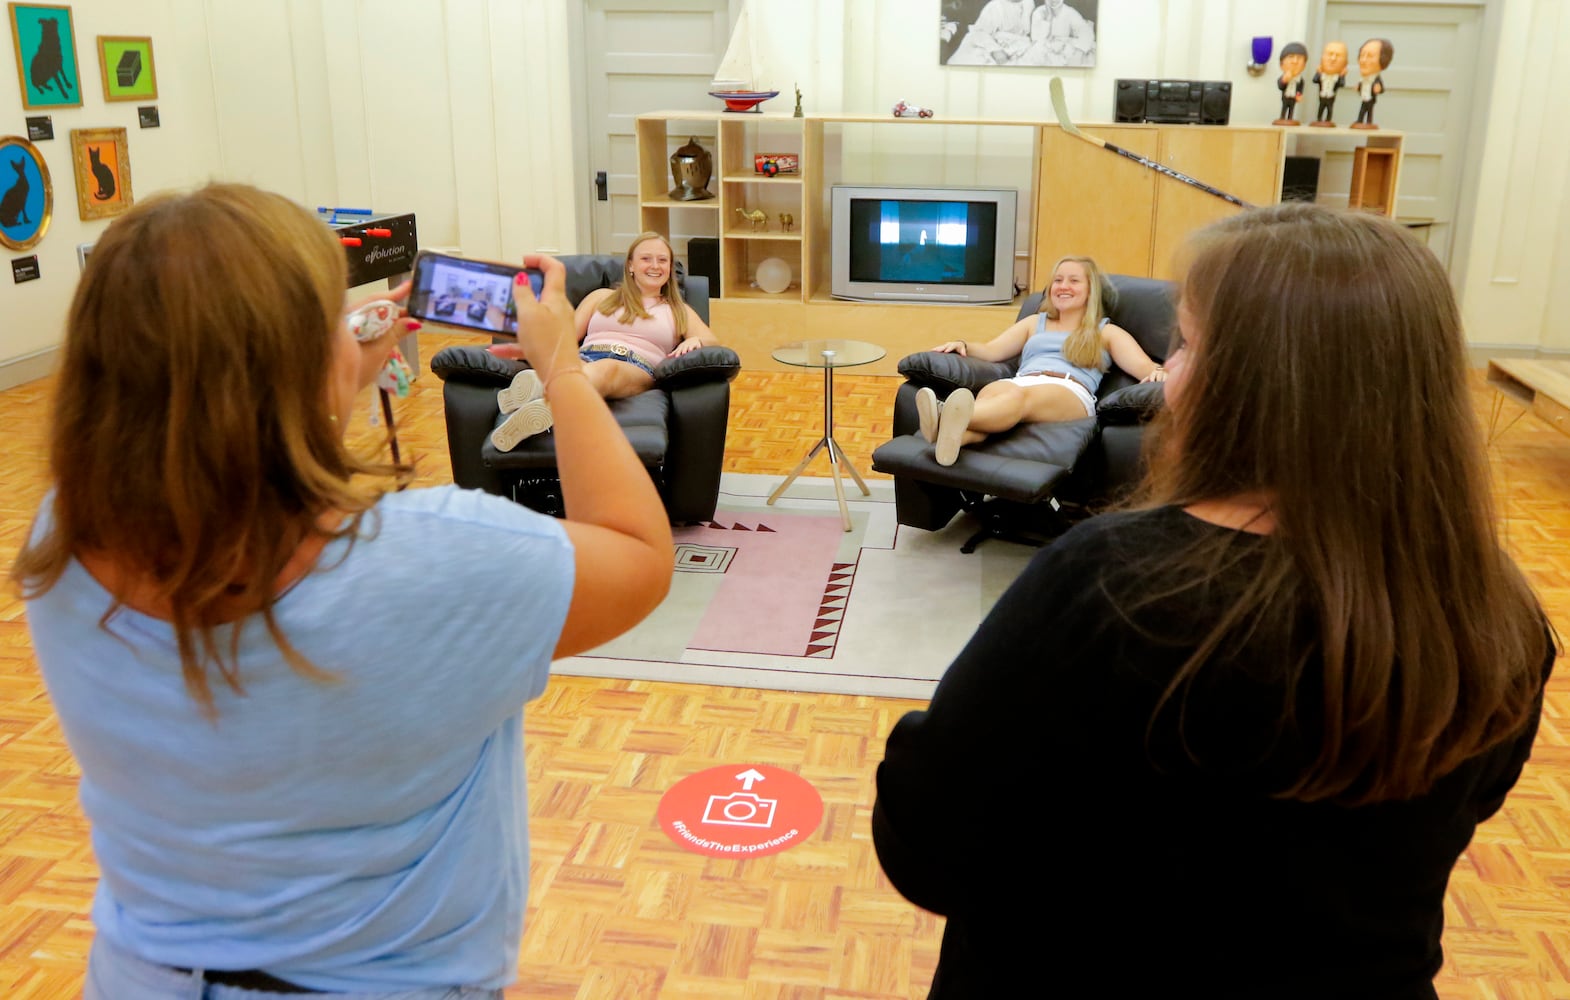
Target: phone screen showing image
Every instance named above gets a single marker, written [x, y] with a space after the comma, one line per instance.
[472, 294]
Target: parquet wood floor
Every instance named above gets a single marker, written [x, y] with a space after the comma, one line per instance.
[618, 911]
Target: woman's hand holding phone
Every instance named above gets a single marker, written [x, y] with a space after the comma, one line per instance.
[546, 335]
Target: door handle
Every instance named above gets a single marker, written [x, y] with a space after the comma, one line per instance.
[601, 186]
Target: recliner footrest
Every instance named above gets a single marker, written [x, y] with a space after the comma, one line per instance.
[1022, 465]
[643, 418]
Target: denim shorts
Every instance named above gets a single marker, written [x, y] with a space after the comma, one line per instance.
[614, 352]
[116, 974]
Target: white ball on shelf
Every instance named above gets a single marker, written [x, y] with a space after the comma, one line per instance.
[773, 275]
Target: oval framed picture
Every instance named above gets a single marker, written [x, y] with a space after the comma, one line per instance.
[27, 197]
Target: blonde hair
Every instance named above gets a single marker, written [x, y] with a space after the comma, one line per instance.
[191, 442]
[1331, 379]
[1083, 347]
[629, 300]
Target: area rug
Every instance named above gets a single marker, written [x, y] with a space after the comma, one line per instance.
[781, 596]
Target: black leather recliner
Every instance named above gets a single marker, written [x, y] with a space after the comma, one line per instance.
[1018, 482]
[677, 428]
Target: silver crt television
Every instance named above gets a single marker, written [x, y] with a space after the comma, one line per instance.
[902, 244]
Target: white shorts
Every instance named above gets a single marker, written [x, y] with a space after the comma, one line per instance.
[1072, 385]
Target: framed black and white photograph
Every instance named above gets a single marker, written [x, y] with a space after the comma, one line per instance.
[1017, 33]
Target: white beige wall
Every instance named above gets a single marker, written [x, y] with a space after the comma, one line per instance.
[457, 111]
[1517, 288]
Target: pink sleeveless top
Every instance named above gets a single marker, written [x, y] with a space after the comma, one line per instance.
[651, 339]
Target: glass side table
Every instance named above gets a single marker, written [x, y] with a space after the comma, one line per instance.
[828, 355]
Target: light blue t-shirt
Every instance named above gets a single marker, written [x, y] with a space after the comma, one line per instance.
[361, 834]
[1043, 352]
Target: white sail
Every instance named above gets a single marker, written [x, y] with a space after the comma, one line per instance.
[740, 70]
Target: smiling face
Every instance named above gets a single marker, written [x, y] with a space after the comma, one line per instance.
[1368, 57]
[649, 263]
[1332, 61]
[1070, 288]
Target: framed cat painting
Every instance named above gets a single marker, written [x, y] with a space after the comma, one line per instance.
[101, 162]
[45, 44]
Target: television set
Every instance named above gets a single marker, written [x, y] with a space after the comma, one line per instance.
[900, 244]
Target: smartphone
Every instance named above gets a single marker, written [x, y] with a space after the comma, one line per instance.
[471, 294]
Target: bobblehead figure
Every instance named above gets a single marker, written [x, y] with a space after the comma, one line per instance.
[1294, 58]
[1373, 57]
[1330, 78]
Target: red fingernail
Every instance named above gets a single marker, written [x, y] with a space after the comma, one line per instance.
[521, 279]
[414, 324]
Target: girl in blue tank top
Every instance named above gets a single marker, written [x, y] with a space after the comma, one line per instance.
[1063, 351]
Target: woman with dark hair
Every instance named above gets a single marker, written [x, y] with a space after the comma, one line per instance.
[1232, 742]
[1063, 352]
[626, 332]
[300, 735]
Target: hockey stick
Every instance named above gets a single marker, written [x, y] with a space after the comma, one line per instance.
[1061, 107]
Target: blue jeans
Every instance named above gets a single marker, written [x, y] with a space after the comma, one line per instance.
[116, 974]
[614, 352]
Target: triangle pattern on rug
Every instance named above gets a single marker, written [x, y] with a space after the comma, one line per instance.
[831, 611]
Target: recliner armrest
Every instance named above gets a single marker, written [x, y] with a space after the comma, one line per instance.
[706, 364]
[1131, 405]
[476, 366]
[946, 372]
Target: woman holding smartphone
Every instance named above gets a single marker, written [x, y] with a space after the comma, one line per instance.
[300, 742]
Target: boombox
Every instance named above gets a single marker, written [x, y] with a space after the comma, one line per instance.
[1173, 102]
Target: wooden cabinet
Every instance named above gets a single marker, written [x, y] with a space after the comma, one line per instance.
[1130, 218]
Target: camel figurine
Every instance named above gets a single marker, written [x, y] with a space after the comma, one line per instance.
[757, 216]
[787, 222]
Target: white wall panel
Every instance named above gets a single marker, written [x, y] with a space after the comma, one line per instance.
[252, 57]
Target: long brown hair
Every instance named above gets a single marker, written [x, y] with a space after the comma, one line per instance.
[1082, 347]
[1329, 377]
[628, 300]
[192, 443]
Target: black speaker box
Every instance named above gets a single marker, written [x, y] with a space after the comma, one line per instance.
[1215, 103]
[1128, 104]
[703, 258]
[1300, 178]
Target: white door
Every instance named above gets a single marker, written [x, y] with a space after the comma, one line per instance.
[641, 56]
[1428, 95]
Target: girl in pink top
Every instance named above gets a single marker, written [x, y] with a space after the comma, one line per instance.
[624, 331]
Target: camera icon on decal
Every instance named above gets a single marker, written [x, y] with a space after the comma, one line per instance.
[740, 809]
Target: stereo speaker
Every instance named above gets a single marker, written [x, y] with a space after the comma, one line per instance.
[703, 258]
[1300, 178]
[1129, 101]
[1215, 104]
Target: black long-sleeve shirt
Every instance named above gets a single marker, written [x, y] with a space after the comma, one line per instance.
[1068, 839]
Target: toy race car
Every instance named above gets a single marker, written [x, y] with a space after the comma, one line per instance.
[903, 110]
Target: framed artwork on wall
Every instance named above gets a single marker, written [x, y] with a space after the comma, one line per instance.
[101, 162]
[1029, 33]
[27, 198]
[45, 45]
[126, 67]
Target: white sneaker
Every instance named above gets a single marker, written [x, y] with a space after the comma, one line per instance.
[525, 388]
[952, 424]
[928, 410]
[526, 421]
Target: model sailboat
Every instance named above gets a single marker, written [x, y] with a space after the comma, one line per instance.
[739, 81]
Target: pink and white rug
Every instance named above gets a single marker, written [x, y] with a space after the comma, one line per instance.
[783, 597]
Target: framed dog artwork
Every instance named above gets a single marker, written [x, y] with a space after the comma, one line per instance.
[101, 162]
[45, 44]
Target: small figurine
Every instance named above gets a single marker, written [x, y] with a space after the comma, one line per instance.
[757, 216]
[787, 222]
[1331, 78]
[1372, 58]
[797, 113]
[904, 110]
[1294, 58]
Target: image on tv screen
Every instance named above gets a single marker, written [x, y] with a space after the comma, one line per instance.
[922, 242]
